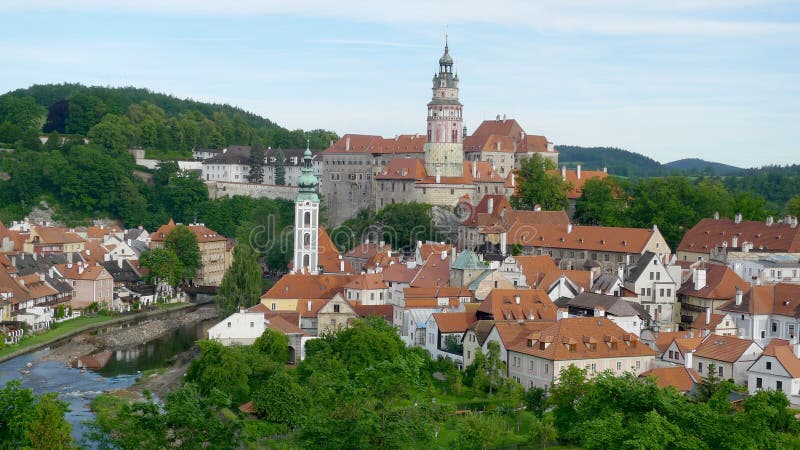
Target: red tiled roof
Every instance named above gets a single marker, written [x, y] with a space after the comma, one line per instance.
[535, 267]
[721, 283]
[53, 235]
[201, 232]
[435, 272]
[709, 233]
[781, 349]
[426, 250]
[680, 378]
[386, 312]
[305, 286]
[82, 272]
[665, 338]
[607, 239]
[403, 169]
[399, 273]
[366, 281]
[361, 143]
[367, 250]
[578, 183]
[328, 254]
[723, 348]
[534, 304]
[583, 338]
[454, 322]
[782, 299]
[514, 332]
[582, 278]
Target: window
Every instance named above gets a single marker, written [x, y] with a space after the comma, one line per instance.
[699, 367]
[546, 367]
[252, 324]
[759, 383]
[720, 370]
[652, 275]
[594, 367]
[649, 292]
[274, 307]
[774, 327]
[530, 365]
[769, 365]
[619, 365]
[778, 385]
[661, 292]
[638, 365]
[670, 354]
[336, 308]
[229, 324]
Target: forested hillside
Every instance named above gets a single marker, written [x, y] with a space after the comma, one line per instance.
[618, 161]
[697, 165]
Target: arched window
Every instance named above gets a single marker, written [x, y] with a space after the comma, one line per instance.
[307, 218]
[306, 260]
[307, 239]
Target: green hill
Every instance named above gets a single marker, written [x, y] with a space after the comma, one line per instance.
[618, 161]
[697, 165]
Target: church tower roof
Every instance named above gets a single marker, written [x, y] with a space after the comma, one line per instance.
[307, 181]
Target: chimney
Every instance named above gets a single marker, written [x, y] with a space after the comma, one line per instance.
[569, 228]
[444, 255]
[735, 241]
[308, 305]
[438, 175]
[564, 173]
[490, 205]
[341, 265]
[739, 295]
[716, 215]
[737, 218]
[605, 169]
[452, 255]
[474, 169]
[517, 299]
[366, 241]
[513, 181]
[503, 242]
[689, 357]
[419, 244]
[708, 314]
[550, 146]
[347, 144]
[599, 311]
[498, 145]
[699, 279]
[769, 221]
[578, 171]
[562, 313]
[88, 252]
[119, 263]
[521, 135]
[621, 272]
[504, 118]
[381, 244]
[537, 207]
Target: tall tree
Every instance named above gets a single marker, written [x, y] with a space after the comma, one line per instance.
[241, 285]
[536, 186]
[256, 164]
[601, 203]
[183, 243]
[85, 111]
[163, 266]
[57, 115]
[793, 206]
[49, 430]
[280, 167]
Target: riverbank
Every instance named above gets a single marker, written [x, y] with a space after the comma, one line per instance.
[71, 328]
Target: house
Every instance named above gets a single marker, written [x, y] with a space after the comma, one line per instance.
[681, 378]
[731, 355]
[335, 314]
[397, 277]
[367, 289]
[736, 239]
[611, 248]
[474, 338]
[708, 286]
[296, 288]
[778, 368]
[656, 284]
[566, 283]
[507, 333]
[215, 255]
[360, 255]
[629, 315]
[90, 284]
[419, 303]
[677, 350]
[763, 313]
[242, 328]
[445, 332]
[466, 268]
[591, 343]
[719, 324]
[770, 269]
[517, 304]
[52, 240]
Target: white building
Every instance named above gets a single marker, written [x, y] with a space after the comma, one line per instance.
[778, 369]
[730, 355]
[306, 221]
[657, 285]
[241, 328]
[766, 312]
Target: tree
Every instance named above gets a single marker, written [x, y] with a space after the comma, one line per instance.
[241, 285]
[536, 401]
[48, 429]
[57, 115]
[564, 397]
[281, 399]
[536, 186]
[256, 164]
[164, 171]
[163, 266]
[185, 196]
[223, 368]
[274, 345]
[542, 432]
[183, 243]
[112, 133]
[479, 431]
[793, 206]
[280, 167]
[85, 111]
[601, 203]
[403, 224]
[16, 412]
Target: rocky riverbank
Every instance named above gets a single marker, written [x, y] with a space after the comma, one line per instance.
[119, 338]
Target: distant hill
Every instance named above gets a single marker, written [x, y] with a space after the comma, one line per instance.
[698, 165]
[618, 161]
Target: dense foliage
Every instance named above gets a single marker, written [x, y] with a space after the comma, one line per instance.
[399, 224]
[618, 161]
[241, 285]
[536, 186]
[32, 422]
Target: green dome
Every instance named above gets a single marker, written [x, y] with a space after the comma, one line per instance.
[446, 59]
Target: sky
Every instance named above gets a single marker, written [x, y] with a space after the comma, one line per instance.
[712, 79]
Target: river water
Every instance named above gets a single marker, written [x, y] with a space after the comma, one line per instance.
[102, 371]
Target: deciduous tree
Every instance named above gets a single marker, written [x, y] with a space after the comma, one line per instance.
[536, 186]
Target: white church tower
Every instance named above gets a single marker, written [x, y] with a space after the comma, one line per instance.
[306, 221]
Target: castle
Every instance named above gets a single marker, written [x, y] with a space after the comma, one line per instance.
[443, 167]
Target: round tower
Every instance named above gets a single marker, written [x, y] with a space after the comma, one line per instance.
[445, 147]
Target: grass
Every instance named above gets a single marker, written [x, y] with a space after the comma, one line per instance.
[53, 333]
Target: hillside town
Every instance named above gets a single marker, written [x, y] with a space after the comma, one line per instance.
[531, 285]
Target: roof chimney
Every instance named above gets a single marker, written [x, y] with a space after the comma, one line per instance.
[769, 221]
[699, 279]
[537, 207]
[599, 311]
[689, 357]
[564, 173]
[308, 305]
[474, 169]
[569, 228]
[739, 295]
[444, 255]
[517, 299]
[737, 218]
[521, 135]
[716, 215]
[708, 315]
[341, 265]
[498, 145]
[503, 242]
[578, 171]
[452, 255]
[119, 263]
[735, 242]
[562, 313]
[605, 169]
[513, 180]
[490, 205]
[347, 144]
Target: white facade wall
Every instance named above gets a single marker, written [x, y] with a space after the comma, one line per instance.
[769, 377]
[533, 371]
[239, 328]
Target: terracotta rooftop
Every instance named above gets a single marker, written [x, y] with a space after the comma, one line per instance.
[279, 323]
[399, 273]
[82, 271]
[403, 169]
[362, 143]
[454, 322]
[482, 328]
[723, 348]
[681, 378]
[583, 338]
[435, 272]
[386, 312]
[366, 281]
[582, 278]
[501, 304]
[499, 203]
[53, 235]
[700, 322]
[535, 267]
[589, 238]
[782, 299]
[721, 283]
[328, 254]
[665, 338]
[687, 344]
[201, 232]
[571, 177]
[513, 332]
[781, 349]
[710, 233]
[367, 250]
[305, 286]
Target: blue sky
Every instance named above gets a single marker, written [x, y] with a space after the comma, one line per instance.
[715, 79]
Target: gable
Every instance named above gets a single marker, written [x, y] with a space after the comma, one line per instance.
[776, 369]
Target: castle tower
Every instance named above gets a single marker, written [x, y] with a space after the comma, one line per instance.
[445, 147]
[306, 220]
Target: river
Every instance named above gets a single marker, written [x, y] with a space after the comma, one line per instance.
[102, 371]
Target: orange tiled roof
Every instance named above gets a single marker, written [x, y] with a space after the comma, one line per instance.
[201, 232]
[578, 183]
[454, 322]
[680, 378]
[582, 278]
[434, 292]
[426, 250]
[700, 322]
[36, 287]
[484, 173]
[366, 281]
[583, 338]
[403, 169]
[100, 232]
[367, 250]
[534, 304]
[82, 271]
[535, 267]
[53, 235]
[362, 143]
[399, 273]
[665, 338]
[435, 272]
[305, 286]
[328, 254]
[590, 238]
[513, 332]
[782, 299]
[384, 311]
[709, 233]
[723, 348]
[781, 349]
[721, 283]
[687, 344]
